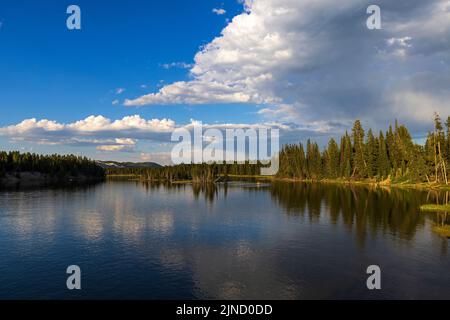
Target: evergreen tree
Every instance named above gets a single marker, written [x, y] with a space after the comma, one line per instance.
[371, 154]
[392, 156]
[332, 159]
[383, 165]
[360, 164]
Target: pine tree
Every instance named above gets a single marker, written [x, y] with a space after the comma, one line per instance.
[392, 156]
[371, 154]
[360, 164]
[346, 157]
[314, 160]
[383, 160]
[332, 159]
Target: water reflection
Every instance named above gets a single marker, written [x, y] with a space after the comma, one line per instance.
[367, 209]
[241, 240]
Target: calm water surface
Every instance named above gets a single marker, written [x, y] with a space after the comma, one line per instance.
[235, 241]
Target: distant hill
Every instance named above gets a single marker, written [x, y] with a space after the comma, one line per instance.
[123, 165]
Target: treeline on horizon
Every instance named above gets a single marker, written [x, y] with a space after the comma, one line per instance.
[203, 172]
[57, 166]
[390, 155]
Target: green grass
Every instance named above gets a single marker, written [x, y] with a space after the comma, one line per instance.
[436, 207]
[443, 230]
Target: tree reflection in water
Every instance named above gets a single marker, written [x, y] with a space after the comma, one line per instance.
[365, 209]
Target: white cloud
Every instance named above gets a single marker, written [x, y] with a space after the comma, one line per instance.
[29, 124]
[163, 158]
[120, 90]
[111, 135]
[115, 102]
[100, 123]
[232, 68]
[127, 141]
[315, 60]
[121, 134]
[401, 42]
[219, 11]
[112, 148]
[181, 65]
[119, 144]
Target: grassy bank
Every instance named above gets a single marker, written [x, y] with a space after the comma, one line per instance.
[367, 182]
[436, 207]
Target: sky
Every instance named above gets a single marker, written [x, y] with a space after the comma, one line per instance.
[137, 70]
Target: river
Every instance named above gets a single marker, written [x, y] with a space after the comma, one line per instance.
[241, 240]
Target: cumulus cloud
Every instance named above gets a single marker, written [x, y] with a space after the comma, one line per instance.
[114, 135]
[113, 148]
[316, 60]
[135, 122]
[120, 90]
[99, 131]
[136, 136]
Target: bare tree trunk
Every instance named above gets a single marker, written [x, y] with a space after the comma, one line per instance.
[444, 169]
[435, 159]
[442, 163]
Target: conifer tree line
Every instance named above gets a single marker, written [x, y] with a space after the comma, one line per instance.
[379, 156]
[204, 172]
[358, 155]
[54, 165]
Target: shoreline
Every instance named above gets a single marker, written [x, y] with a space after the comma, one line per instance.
[36, 179]
[400, 185]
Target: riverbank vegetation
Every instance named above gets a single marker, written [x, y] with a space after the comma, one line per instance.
[436, 207]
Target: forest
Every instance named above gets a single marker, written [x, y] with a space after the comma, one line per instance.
[390, 156]
[57, 166]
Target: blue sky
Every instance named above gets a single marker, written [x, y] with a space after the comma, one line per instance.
[51, 72]
[138, 69]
